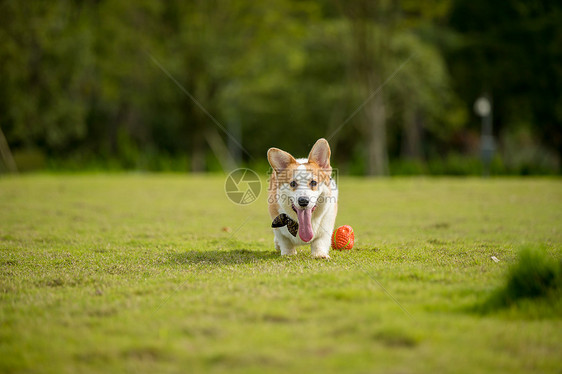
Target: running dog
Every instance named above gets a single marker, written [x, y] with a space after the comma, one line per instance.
[303, 200]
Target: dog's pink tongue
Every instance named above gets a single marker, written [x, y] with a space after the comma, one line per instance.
[305, 224]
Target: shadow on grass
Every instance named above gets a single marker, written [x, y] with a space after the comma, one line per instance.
[226, 257]
[532, 286]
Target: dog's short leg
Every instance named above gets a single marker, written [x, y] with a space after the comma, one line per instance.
[284, 244]
[320, 247]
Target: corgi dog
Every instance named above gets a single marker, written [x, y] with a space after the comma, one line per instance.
[303, 200]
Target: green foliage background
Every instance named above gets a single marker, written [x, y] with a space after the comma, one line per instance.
[81, 86]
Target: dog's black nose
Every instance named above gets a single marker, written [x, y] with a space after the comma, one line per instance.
[303, 201]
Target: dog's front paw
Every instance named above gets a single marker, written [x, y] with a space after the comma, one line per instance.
[320, 249]
[288, 251]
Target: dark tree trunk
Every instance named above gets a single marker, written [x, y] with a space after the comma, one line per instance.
[413, 134]
[377, 161]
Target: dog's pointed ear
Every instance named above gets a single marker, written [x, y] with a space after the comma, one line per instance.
[279, 160]
[320, 154]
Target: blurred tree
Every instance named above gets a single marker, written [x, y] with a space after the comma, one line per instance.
[422, 92]
[137, 110]
[46, 62]
[91, 79]
[236, 59]
[372, 26]
[512, 50]
[423, 104]
[395, 62]
[6, 155]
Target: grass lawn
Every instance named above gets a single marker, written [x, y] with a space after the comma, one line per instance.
[162, 273]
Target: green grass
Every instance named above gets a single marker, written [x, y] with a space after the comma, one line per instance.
[535, 275]
[161, 273]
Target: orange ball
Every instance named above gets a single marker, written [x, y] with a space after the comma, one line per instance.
[343, 238]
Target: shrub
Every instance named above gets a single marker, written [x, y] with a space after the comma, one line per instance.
[534, 275]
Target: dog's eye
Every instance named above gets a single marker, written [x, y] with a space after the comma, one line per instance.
[293, 184]
[313, 183]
